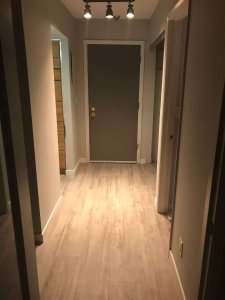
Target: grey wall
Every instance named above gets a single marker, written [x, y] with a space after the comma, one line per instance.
[204, 83]
[159, 17]
[113, 30]
[38, 17]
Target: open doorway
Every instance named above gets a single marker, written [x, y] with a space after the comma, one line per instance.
[56, 53]
[171, 107]
[62, 66]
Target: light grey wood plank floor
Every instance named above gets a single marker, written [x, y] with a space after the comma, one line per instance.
[9, 274]
[106, 240]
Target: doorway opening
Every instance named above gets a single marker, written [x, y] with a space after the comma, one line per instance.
[56, 53]
[62, 65]
[113, 100]
[171, 107]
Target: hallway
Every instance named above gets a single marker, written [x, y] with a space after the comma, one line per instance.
[105, 240]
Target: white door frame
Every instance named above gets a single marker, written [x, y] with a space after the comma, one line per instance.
[86, 92]
[168, 112]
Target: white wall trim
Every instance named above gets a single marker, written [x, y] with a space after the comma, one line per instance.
[83, 160]
[177, 273]
[74, 171]
[142, 161]
[141, 88]
[86, 99]
[49, 219]
[71, 172]
[155, 202]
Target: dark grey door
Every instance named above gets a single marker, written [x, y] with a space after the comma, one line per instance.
[113, 81]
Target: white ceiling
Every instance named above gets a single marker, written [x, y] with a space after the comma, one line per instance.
[143, 8]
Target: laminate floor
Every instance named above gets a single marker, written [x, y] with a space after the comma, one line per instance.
[106, 240]
[9, 274]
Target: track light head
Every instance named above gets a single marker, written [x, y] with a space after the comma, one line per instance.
[87, 11]
[109, 11]
[130, 11]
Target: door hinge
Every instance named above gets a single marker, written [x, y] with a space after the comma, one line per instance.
[138, 105]
[137, 146]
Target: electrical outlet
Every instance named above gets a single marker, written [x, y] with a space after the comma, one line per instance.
[181, 247]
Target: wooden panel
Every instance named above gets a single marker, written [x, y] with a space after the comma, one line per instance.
[62, 160]
[57, 74]
[59, 111]
[59, 105]
[60, 126]
[61, 141]
[55, 49]
[56, 63]
[58, 90]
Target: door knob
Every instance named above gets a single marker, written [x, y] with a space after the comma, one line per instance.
[93, 114]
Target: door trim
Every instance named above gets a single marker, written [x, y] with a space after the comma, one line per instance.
[86, 92]
[168, 110]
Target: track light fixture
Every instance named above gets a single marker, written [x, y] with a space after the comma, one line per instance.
[87, 11]
[130, 11]
[109, 11]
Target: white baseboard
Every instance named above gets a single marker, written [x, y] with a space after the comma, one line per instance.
[156, 203]
[177, 273]
[49, 219]
[73, 171]
[83, 160]
[142, 161]
[70, 172]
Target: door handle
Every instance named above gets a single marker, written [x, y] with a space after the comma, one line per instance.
[93, 113]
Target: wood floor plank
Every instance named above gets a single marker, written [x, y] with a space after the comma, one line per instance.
[106, 240]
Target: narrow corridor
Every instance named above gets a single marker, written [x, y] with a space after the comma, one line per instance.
[106, 240]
